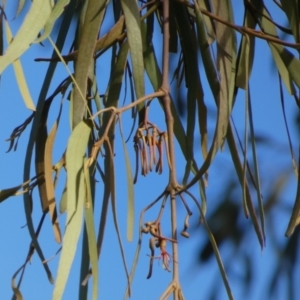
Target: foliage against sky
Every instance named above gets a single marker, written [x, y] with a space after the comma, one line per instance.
[198, 31]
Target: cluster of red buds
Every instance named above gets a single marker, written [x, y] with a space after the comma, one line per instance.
[149, 136]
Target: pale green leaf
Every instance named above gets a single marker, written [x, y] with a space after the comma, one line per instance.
[34, 22]
[76, 150]
[20, 7]
[34, 132]
[63, 201]
[70, 239]
[226, 59]
[76, 191]
[276, 49]
[130, 191]
[291, 8]
[21, 80]
[85, 60]
[91, 234]
[291, 63]
[207, 58]
[56, 12]
[208, 22]
[133, 27]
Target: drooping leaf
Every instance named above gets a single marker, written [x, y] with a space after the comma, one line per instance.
[21, 4]
[87, 41]
[63, 200]
[188, 44]
[21, 80]
[246, 53]
[295, 216]
[207, 58]
[218, 257]
[130, 191]
[208, 22]
[57, 10]
[35, 20]
[291, 8]
[269, 28]
[34, 131]
[91, 234]
[256, 171]
[76, 193]
[50, 192]
[226, 57]
[111, 179]
[239, 170]
[133, 27]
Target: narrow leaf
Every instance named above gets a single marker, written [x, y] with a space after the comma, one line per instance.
[87, 41]
[76, 191]
[295, 216]
[21, 80]
[56, 12]
[50, 192]
[91, 234]
[218, 257]
[133, 27]
[35, 20]
[114, 209]
[130, 191]
[239, 171]
[246, 53]
[256, 169]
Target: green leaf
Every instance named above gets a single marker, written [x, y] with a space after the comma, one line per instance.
[63, 200]
[188, 44]
[34, 131]
[85, 60]
[207, 59]
[226, 58]
[246, 53]
[256, 169]
[218, 257]
[208, 22]
[76, 193]
[74, 155]
[133, 27]
[20, 7]
[295, 217]
[276, 49]
[112, 185]
[34, 22]
[21, 80]
[58, 9]
[91, 234]
[130, 191]
[291, 8]
[154, 74]
[239, 171]
[291, 63]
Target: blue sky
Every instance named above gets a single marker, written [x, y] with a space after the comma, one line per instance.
[197, 280]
